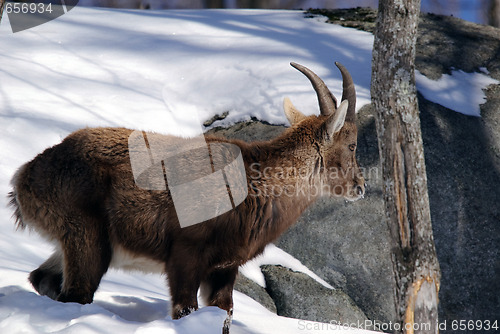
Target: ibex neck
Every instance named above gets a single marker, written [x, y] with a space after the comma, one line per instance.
[283, 182]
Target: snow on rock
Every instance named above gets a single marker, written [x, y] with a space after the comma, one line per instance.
[458, 91]
[276, 256]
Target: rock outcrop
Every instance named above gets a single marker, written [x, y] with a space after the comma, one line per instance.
[299, 296]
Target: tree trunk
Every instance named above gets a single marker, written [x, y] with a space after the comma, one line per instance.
[2, 5]
[213, 4]
[393, 91]
[494, 13]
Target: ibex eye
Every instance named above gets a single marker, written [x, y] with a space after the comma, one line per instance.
[352, 147]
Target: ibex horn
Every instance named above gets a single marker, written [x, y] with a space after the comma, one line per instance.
[348, 93]
[327, 102]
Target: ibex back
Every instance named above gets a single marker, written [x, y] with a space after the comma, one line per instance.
[81, 195]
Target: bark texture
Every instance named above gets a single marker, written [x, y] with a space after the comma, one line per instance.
[393, 91]
[494, 13]
[2, 5]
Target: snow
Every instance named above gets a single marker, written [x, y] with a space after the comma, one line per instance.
[459, 91]
[277, 256]
[165, 71]
[131, 303]
[177, 61]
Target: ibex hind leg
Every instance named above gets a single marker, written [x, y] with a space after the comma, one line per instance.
[86, 257]
[47, 279]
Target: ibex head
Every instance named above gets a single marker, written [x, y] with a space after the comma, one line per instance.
[334, 135]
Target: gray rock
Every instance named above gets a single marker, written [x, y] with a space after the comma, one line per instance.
[249, 131]
[299, 296]
[256, 292]
[358, 18]
[446, 42]
[464, 190]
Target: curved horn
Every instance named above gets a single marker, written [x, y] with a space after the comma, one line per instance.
[348, 92]
[327, 102]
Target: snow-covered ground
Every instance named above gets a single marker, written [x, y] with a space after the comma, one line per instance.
[165, 71]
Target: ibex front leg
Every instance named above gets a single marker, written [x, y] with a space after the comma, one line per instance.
[183, 272]
[217, 290]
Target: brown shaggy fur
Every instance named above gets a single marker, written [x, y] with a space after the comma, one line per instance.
[81, 195]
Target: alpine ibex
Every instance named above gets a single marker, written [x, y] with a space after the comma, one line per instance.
[82, 195]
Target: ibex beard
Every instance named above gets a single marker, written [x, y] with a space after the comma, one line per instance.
[82, 196]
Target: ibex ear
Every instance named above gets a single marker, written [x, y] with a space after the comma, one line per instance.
[292, 114]
[336, 121]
